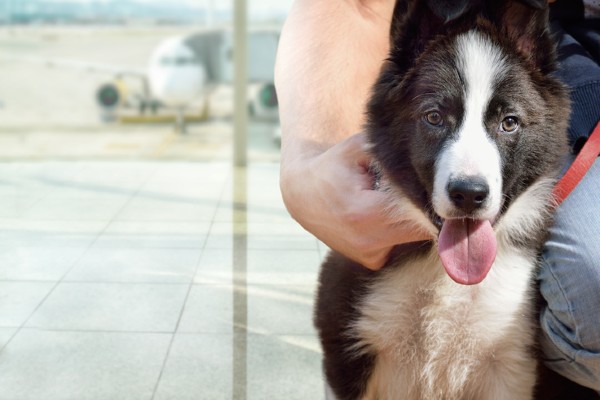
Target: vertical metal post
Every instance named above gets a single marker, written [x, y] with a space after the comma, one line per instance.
[240, 81]
[240, 284]
[240, 129]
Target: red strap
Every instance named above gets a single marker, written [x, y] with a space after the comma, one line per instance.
[581, 164]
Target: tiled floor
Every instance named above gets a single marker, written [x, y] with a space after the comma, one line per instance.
[153, 280]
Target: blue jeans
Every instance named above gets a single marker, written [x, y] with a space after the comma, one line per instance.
[570, 283]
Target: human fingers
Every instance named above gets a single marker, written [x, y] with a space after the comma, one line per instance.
[366, 223]
[333, 199]
[353, 154]
[383, 227]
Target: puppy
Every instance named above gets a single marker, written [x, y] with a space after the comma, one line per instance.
[468, 129]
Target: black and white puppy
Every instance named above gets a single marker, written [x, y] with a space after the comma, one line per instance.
[468, 128]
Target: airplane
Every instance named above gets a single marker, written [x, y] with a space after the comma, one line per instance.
[175, 76]
[184, 69]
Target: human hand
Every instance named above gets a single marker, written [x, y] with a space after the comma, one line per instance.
[331, 196]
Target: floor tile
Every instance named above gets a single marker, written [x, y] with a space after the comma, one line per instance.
[224, 212]
[197, 184]
[280, 310]
[169, 208]
[215, 267]
[261, 235]
[16, 205]
[265, 204]
[135, 265]
[117, 256]
[37, 263]
[279, 236]
[221, 234]
[283, 267]
[45, 177]
[67, 208]
[111, 307]
[135, 234]
[268, 213]
[5, 335]
[84, 187]
[199, 367]
[19, 299]
[192, 187]
[323, 249]
[42, 365]
[19, 232]
[208, 309]
[264, 191]
[115, 177]
[189, 172]
[271, 360]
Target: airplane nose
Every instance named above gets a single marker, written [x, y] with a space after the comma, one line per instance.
[468, 193]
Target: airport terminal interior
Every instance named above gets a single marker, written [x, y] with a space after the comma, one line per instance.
[136, 260]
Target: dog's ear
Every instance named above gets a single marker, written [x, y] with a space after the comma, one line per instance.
[525, 22]
[449, 10]
[413, 26]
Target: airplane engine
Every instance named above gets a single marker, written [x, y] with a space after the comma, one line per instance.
[262, 102]
[109, 97]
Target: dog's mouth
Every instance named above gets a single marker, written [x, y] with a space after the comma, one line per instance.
[466, 244]
[467, 249]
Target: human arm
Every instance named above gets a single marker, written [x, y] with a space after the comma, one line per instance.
[329, 55]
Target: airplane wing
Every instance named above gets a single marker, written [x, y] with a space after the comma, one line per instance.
[81, 65]
[215, 49]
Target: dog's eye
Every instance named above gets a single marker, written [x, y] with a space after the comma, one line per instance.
[509, 124]
[434, 118]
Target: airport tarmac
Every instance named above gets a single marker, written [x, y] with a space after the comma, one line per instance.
[34, 95]
[51, 112]
[208, 141]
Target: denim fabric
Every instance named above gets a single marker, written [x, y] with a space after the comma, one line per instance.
[570, 283]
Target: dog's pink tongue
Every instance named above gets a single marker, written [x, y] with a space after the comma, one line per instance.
[467, 249]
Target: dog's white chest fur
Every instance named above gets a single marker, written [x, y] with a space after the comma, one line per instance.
[435, 339]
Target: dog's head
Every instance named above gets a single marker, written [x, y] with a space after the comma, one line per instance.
[466, 116]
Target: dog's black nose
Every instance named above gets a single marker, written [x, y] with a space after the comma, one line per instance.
[468, 194]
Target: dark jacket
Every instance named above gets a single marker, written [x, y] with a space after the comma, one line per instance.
[579, 57]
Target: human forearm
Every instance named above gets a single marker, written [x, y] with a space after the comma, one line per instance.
[329, 55]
